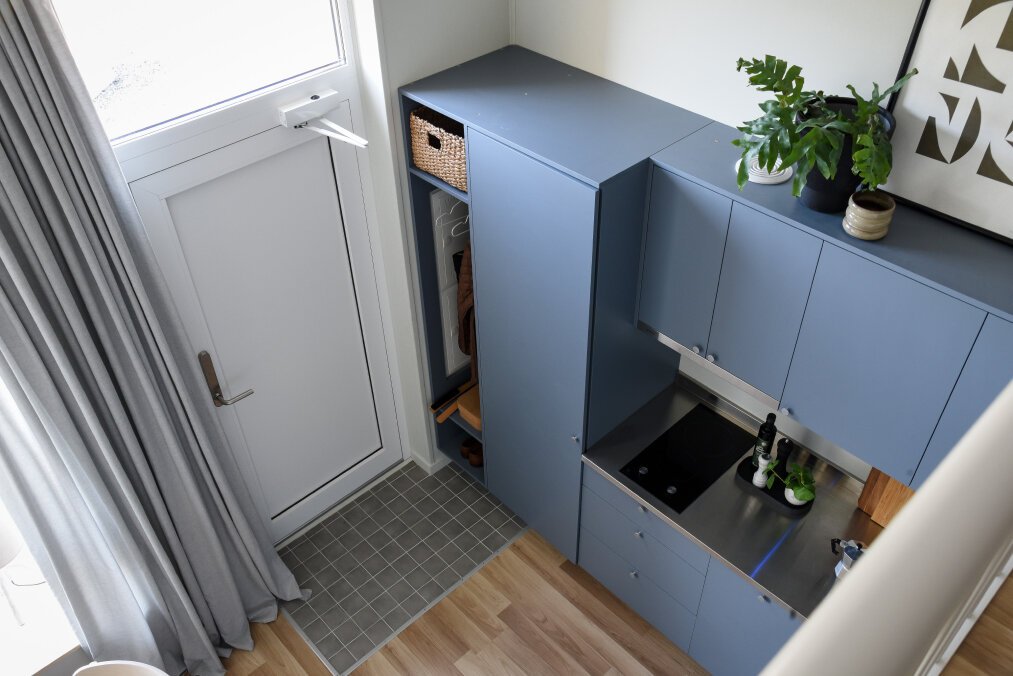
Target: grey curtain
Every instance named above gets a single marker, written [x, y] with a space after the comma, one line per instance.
[111, 459]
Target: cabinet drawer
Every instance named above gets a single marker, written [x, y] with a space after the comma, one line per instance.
[641, 549]
[639, 593]
[738, 630]
[645, 521]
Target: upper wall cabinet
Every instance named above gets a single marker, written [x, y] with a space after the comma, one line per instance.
[988, 370]
[686, 230]
[876, 360]
[767, 271]
[726, 282]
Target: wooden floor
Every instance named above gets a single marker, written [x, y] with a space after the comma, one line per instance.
[530, 611]
[988, 649]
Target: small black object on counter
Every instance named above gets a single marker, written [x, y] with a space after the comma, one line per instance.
[773, 497]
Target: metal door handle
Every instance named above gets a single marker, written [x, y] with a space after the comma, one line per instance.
[211, 378]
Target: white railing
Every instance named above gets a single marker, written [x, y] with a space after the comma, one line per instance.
[907, 604]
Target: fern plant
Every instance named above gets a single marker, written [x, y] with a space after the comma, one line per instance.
[799, 128]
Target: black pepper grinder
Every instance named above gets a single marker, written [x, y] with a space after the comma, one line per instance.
[764, 439]
[785, 447]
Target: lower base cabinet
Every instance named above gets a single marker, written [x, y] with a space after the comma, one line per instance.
[738, 630]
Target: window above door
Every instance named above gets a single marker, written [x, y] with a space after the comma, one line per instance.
[149, 64]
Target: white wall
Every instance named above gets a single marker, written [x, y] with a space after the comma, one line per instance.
[684, 51]
[399, 41]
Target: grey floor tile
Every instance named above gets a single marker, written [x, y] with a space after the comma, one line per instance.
[463, 566]
[337, 524]
[455, 506]
[353, 603]
[433, 565]
[414, 604]
[407, 540]
[421, 552]
[370, 590]
[346, 563]
[467, 517]
[290, 559]
[341, 589]
[360, 647]
[383, 516]
[411, 516]
[322, 537]
[328, 645]
[441, 494]
[430, 591]
[334, 618]
[404, 565]
[334, 551]
[304, 615]
[302, 574]
[398, 504]
[430, 484]
[321, 601]
[379, 540]
[370, 503]
[391, 552]
[447, 578]
[457, 484]
[367, 527]
[378, 632]
[304, 549]
[466, 541]
[315, 562]
[382, 604]
[481, 530]
[395, 528]
[342, 661]
[357, 576]
[437, 540]
[387, 577]
[362, 551]
[424, 528]
[347, 631]
[496, 518]
[415, 493]
[470, 495]
[327, 576]
[479, 553]
[495, 541]
[427, 505]
[350, 538]
[374, 564]
[509, 529]
[446, 472]
[366, 617]
[353, 514]
[417, 578]
[316, 630]
[452, 529]
[415, 473]
[400, 590]
[450, 553]
[396, 618]
[385, 492]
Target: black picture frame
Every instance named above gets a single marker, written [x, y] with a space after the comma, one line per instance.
[905, 65]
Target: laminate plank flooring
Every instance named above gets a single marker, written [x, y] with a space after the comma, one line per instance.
[988, 648]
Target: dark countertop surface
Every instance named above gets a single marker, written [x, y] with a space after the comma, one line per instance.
[579, 123]
[965, 264]
[788, 558]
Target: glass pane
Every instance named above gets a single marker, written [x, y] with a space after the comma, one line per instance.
[146, 63]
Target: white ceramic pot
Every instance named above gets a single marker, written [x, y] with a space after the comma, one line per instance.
[789, 495]
[869, 214]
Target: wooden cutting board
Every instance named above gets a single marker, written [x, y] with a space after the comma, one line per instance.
[883, 496]
[470, 408]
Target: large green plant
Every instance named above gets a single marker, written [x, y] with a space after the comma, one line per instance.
[798, 127]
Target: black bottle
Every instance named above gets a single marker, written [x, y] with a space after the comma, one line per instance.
[764, 439]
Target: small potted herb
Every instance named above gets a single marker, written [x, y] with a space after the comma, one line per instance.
[799, 487]
[836, 143]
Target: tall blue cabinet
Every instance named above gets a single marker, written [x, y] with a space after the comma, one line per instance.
[557, 187]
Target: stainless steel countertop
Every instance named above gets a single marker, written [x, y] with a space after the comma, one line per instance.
[788, 559]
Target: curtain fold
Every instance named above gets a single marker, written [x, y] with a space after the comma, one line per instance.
[111, 457]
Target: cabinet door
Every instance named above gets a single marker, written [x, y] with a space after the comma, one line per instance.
[766, 275]
[876, 359]
[988, 370]
[738, 629]
[686, 229]
[532, 231]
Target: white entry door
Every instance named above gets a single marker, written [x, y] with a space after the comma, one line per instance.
[260, 230]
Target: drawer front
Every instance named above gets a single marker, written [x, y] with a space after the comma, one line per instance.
[642, 550]
[650, 601]
[644, 520]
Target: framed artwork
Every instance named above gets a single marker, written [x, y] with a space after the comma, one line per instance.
[953, 148]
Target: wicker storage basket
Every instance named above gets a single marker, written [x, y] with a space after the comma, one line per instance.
[438, 146]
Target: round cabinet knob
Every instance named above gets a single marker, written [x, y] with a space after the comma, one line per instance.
[574, 438]
[634, 574]
[638, 534]
[785, 411]
[696, 349]
[643, 510]
[711, 358]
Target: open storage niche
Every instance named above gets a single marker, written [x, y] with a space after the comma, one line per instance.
[436, 148]
[447, 368]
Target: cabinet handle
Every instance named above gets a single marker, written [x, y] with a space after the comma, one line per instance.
[785, 411]
[711, 358]
[638, 534]
[574, 438]
[634, 574]
[696, 349]
[764, 598]
[643, 510]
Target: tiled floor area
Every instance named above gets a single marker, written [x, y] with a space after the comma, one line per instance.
[389, 555]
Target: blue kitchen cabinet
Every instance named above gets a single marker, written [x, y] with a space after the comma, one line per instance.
[766, 275]
[533, 247]
[988, 370]
[686, 229]
[876, 359]
[738, 629]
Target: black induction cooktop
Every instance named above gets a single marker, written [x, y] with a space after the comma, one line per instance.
[684, 461]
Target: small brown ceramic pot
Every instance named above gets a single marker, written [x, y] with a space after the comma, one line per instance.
[869, 214]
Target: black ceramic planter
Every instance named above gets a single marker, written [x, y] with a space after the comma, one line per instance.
[831, 197]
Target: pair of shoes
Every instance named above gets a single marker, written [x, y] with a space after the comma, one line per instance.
[472, 450]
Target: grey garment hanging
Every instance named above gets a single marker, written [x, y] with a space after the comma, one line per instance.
[111, 458]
